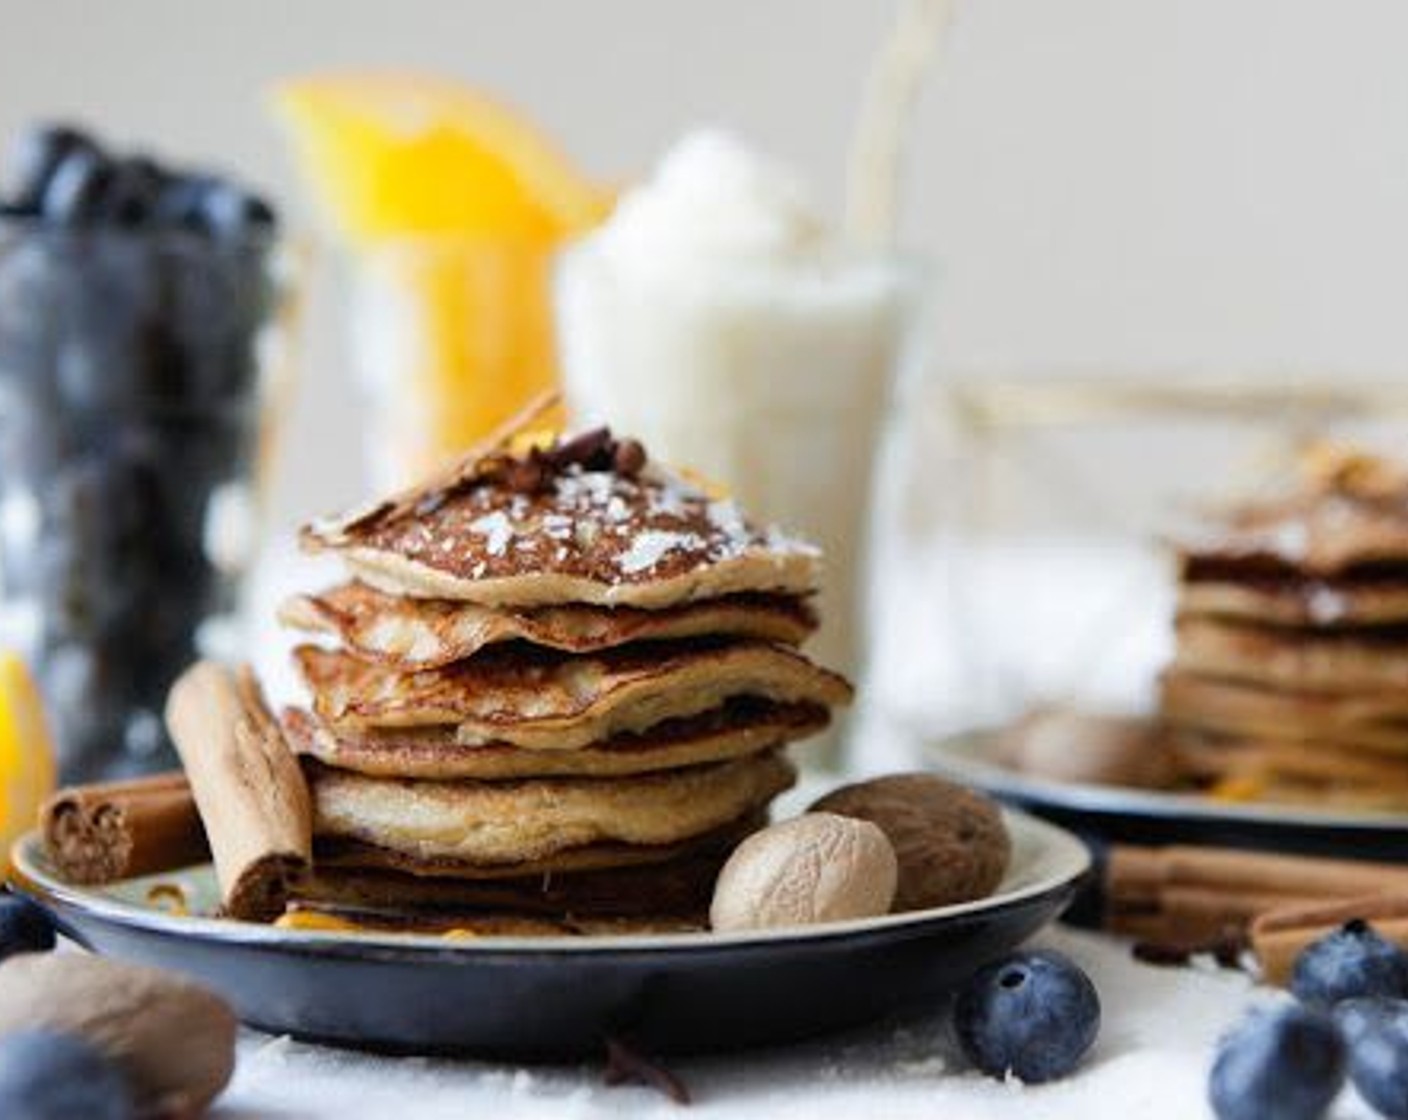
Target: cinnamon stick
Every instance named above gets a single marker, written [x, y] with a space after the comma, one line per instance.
[251, 794]
[1279, 936]
[118, 830]
[1135, 872]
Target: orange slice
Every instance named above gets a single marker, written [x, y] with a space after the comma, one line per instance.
[402, 154]
[27, 769]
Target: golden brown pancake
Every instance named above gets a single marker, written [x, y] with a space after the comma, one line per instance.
[539, 700]
[1267, 770]
[678, 887]
[428, 633]
[1377, 721]
[1320, 661]
[1348, 513]
[353, 902]
[649, 539]
[738, 728]
[1293, 601]
[550, 824]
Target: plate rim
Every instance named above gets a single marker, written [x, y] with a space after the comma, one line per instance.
[1074, 863]
[955, 752]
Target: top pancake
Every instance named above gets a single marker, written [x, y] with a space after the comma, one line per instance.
[429, 633]
[1349, 514]
[564, 526]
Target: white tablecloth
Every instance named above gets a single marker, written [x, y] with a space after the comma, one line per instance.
[1151, 1061]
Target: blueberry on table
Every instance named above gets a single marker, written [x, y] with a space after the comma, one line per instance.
[1352, 962]
[1288, 1063]
[46, 1075]
[31, 160]
[24, 928]
[1033, 1015]
[1378, 1056]
[74, 194]
[1355, 1017]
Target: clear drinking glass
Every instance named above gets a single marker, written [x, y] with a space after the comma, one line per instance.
[451, 337]
[136, 373]
[773, 381]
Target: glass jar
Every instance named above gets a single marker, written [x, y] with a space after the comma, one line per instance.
[136, 370]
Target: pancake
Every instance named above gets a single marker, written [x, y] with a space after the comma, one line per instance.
[540, 700]
[1347, 513]
[1377, 721]
[429, 633]
[1324, 774]
[551, 824]
[567, 525]
[1321, 661]
[738, 728]
[1294, 601]
[678, 886]
[337, 903]
[1219, 755]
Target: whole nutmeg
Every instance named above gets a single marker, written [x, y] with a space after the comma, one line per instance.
[813, 868]
[951, 842]
[173, 1039]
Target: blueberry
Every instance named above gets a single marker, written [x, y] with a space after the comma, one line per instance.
[131, 196]
[46, 1075]
[24, 928]
[181, 202]
[75, 190]
[1033, 1015]
[231, 212]
[1355, 1017]
[1286, 1063]
[1378, 1055]
[1351, 963]
[32, 159]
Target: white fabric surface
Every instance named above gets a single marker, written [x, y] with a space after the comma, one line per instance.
[1151, 1061]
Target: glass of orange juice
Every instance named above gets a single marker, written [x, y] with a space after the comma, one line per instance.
[450, 209]
[450, 336]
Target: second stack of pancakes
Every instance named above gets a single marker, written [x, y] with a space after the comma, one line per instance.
[559, 684]
[1290, 677]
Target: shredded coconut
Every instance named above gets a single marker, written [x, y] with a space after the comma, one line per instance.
[496, 528]
[1327, 605]
[651, 546]
[727, 518]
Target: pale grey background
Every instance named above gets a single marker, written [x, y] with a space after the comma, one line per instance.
[1155, 185]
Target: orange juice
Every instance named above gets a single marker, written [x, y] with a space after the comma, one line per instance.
[451, 336]
[451, 209]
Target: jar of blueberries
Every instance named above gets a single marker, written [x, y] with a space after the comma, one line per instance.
[140, 314]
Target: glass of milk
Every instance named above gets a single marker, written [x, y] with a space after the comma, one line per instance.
[715, 317]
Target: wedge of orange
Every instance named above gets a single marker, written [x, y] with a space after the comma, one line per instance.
[27, 769]
[455, 207]
[404, 154]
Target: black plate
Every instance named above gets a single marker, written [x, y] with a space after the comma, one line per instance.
[1111, 814]
[536, 998]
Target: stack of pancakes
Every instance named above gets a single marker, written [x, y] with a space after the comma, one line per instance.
[1290, 678]
[558, 684]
